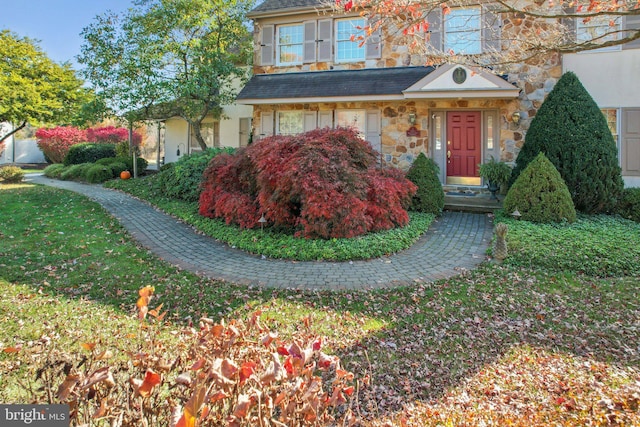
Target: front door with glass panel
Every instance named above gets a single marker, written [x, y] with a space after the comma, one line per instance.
[464, 147]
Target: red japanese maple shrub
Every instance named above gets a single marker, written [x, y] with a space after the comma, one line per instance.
[229, 190]
[55, 142]
[324, 183]
[389, 196]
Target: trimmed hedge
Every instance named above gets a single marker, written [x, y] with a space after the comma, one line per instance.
[88, 153]
[75, 172]
[142, 163]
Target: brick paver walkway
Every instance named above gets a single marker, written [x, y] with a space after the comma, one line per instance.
[456, 242]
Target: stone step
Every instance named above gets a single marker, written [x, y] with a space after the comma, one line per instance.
[472, 203]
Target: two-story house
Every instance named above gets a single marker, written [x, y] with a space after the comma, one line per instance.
[309, 72]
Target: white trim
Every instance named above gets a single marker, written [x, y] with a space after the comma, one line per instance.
[479, 84]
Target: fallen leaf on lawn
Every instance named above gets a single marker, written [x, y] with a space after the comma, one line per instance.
[67, 386]
[242, 407]
[151, 379]
[100, 375]
[101, 411]
[13, 349]
[246, 370]
[89, 346]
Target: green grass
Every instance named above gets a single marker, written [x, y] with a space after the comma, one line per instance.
[69, 274]
[277, 244]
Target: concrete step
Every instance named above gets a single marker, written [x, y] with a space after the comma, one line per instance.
[472, 203]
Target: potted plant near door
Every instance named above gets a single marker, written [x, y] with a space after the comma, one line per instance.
[495, 175]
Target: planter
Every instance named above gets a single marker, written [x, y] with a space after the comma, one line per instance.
[495, 175]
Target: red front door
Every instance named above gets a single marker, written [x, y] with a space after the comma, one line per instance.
[463, 147]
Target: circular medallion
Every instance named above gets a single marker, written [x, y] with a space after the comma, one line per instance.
[459, 75]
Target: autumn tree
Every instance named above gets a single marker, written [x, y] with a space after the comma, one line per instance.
[510, 32]
[179, 57]
[33, 88]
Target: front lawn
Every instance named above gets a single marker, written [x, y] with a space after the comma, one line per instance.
[510, 344]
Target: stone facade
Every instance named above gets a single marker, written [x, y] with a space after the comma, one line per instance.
[535, 80]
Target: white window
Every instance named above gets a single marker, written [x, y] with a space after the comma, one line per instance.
[463, 31]
[290, 122]
[290, 44]
[210, 132]
[352, 119]
[599, 29]
[347, 44]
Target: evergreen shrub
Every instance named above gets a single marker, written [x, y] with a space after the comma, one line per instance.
[107, 161]
[182, 180]
[629, 204]
[118, 167]
[11, 174]
[54, 170]
[572, 132]
[540, 194]
[97, 174]
[75, 172]
[128, 160]
[88, 153]
[429, 197]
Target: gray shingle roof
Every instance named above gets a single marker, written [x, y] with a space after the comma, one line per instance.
[271, 5]
[335, 83]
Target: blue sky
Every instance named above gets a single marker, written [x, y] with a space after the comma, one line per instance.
[56, 23]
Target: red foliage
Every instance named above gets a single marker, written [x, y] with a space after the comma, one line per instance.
[112, 135]
[228, 190]
[325, 183]
[55, 142]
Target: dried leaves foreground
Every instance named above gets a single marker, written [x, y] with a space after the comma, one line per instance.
[234, 374]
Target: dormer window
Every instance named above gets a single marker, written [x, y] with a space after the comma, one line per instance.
[348, 48]
[290, 44]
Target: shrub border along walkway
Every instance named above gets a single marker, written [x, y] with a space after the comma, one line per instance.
[456, 242]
